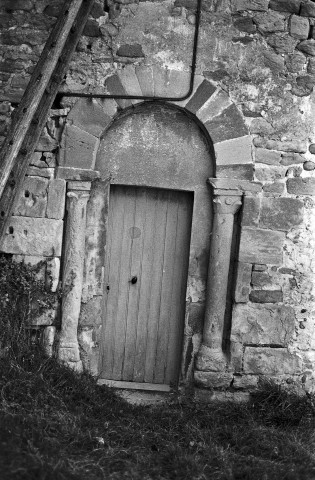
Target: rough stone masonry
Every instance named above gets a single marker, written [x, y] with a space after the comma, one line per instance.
[254, 100]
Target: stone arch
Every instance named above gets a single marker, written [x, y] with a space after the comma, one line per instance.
[211, 105]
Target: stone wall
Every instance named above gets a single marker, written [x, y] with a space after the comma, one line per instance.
[254, 96]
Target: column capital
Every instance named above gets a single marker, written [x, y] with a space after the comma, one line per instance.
[227, 203]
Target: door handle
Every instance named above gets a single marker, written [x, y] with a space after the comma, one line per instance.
[134, 280]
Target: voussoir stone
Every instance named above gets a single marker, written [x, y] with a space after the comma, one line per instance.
[33, 236]
[89, 116]
[271, 361]
[261, 246]
[256, 324]
[281, 213]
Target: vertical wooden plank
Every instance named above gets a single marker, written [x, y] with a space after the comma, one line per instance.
[127, 197]
[156, 283]
[136, 253]
[169, 277]
[177, 312]
[112, 265]
[145, 285]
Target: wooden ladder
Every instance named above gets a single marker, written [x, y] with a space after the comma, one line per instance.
[30, 116]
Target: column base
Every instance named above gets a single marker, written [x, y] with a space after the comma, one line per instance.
[69, 355]
[211, 360]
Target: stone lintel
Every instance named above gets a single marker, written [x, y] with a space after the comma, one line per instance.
[235, 185]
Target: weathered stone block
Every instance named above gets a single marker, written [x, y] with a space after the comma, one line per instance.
[202, 94]
[251, 211]
[33, 236]
[245, 172]
[56, 199]
[202, 395]
[281, 213]
[307, 9]
[271, 361]
[261, 279]
[301, 186]
[270, 173]
[274, 188]
[295, 62]
[274, 61]
[266, 296]
[130, 51]
[245, 382]
[170, 83]
[214, 106]
[229, 124]
[259, 267]
[115, 87]
[307, 46]
[213, 380]
[292, 6]
[291, 159]
[260, 126]
[282, 42]
[88, 115]
[284, 146]
[78, 148]
[269, 157]
[258, 5]
[130, 81]
[145, 78]
[46, 142]
[242, 284]
[270, 22]
[244, 24]
[33, 200]
[299, 27]
[257, 324]
[40, 172]
[234, 151]
[261, 246]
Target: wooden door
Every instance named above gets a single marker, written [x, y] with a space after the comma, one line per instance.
[145, 284]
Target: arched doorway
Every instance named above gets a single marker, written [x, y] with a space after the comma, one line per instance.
[157, 241]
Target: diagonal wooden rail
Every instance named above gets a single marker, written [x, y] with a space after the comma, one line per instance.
[29, 118]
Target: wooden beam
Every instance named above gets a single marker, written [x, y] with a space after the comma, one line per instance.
[27, 125]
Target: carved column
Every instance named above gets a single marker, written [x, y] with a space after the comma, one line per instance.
[211, 356]
[77, 197]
